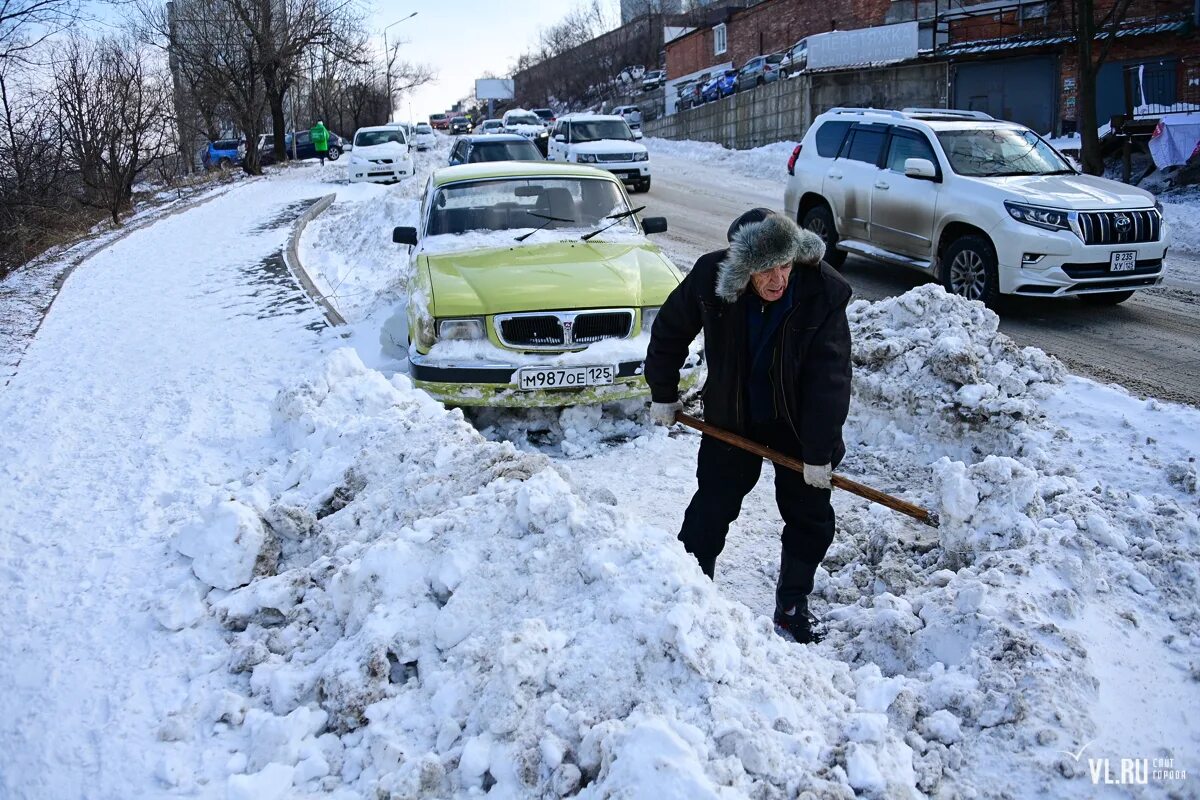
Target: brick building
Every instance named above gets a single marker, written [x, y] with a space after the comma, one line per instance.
[1014, 59]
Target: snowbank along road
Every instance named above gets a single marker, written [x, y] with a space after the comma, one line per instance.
[1147, 344]
[242, 562]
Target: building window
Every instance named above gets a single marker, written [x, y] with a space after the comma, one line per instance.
[719, 39]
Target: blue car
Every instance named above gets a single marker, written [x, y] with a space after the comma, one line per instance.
[720, 86]
[222, 154]
[305, 149]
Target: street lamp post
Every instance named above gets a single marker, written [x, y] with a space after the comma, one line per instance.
[387, 63]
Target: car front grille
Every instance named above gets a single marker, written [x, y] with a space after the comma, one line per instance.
[1101, 269]
[563, 329]
[1120, 227]
[381, 161]
[610, 157]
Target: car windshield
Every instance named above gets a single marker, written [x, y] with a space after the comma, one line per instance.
[227, 144]
[504, 151]
[594, 130]
[524, 119]
[544, 113]
[493, 123]
[997, 152]
[459, 119]
[438, 117]
[372, 138]
[510, 205]
[423, 128]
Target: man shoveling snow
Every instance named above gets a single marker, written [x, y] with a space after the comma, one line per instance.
[778, 350]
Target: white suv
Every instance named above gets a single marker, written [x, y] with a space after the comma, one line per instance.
[604, 141]
[987, 207]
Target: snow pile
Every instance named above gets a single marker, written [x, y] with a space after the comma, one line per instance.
[1182, 212]
[348, 250]
[937, 362]
[451, 615]
[768, 161]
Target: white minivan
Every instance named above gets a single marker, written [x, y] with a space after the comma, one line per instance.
[605, 141]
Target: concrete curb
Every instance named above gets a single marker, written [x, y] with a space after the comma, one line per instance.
[291, 255]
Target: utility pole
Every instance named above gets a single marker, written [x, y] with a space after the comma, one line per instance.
[387, 64]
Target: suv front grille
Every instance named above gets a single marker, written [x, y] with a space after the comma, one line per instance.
[610, 157]
[1120, 227]
[563, 329]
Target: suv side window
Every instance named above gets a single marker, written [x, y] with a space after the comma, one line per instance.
[865, 144]
[830, 137]
[908, 145]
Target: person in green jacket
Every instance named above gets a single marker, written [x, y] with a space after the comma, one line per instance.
[320, 140]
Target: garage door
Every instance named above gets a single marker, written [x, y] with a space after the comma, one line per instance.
[1018, 89]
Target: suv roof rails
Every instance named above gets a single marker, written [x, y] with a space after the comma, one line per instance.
[953, 113]
[849, 110]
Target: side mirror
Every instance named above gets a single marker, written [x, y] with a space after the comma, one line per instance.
[637, 134]
[920, 168]
[558, 137]
[654, 225]
[404, 235]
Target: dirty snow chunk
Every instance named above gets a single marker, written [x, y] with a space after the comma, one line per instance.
[273, 782]
[940, 357]
[225, 544]
[986, 506]
[942, 726]
[653, 758]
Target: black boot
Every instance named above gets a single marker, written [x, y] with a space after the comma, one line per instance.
[800, 624]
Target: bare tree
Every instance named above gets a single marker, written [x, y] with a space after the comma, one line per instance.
[115, 116]
[26, 24]
[1091, 56]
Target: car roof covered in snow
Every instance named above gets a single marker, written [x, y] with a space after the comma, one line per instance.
[490, 170]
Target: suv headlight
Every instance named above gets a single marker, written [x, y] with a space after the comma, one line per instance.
[1051, 219]
[641, 156]
[649, 314]
[467, 328]
[585, 158]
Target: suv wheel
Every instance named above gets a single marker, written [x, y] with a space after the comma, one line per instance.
[224, 163]
[969, 269]
[1106, 299]
[334, 153]
[643, 186]
[819, 220]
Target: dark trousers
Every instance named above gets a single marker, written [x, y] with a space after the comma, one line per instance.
[726, 474]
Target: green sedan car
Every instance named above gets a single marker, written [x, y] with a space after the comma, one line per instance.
[532, 284]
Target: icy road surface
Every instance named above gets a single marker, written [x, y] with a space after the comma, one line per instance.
[1147, 344]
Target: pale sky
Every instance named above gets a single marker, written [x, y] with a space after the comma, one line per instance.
[462, 39]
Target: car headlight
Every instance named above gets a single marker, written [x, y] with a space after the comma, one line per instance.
[1051, 219]
[586, 158]
[641, 156]
[649, 314]
[468, 328]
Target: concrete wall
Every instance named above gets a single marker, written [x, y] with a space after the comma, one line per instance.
[783, 110]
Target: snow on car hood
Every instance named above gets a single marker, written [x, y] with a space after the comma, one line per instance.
[525, 130]
[609, 146]
[553, 275]
[1077, 192]
[385, 150]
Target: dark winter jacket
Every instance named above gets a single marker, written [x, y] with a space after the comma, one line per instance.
[810, 370]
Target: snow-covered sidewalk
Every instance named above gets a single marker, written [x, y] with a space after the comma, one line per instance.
[149, 381]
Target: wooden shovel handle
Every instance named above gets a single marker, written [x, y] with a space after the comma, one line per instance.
[854, 487]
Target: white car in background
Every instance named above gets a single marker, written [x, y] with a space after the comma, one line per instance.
[491, 126]
[380, 155]
[605, 141]
[423, 137]
[528, 124]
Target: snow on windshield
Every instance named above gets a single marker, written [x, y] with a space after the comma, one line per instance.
[514, 204]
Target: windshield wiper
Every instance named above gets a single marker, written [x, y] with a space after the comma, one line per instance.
[548, 219]
[615, 219]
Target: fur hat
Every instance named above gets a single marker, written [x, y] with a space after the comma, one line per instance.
[759, 240]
